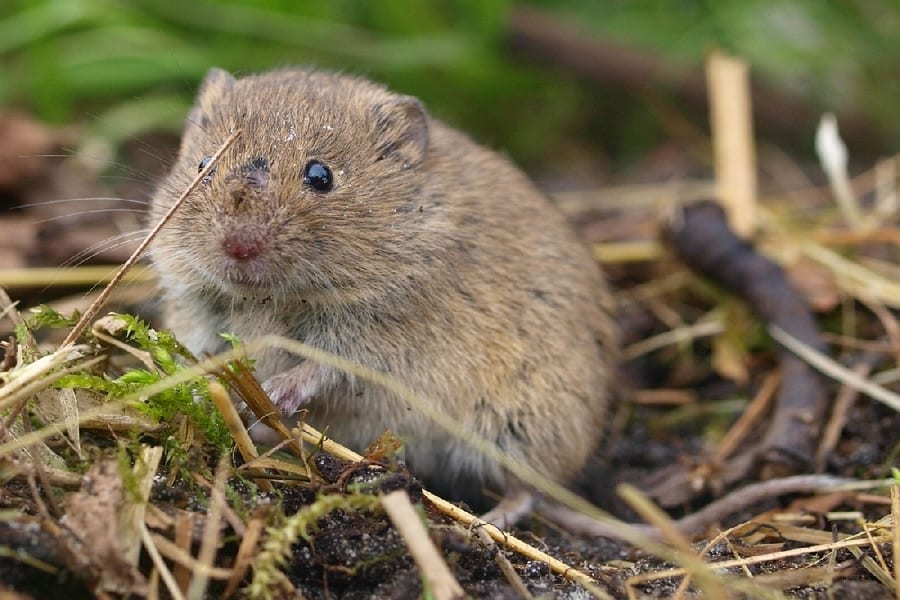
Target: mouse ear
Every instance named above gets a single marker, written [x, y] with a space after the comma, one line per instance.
[216, 83]
[401, 129]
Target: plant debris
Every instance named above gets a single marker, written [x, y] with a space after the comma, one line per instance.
[119, 476]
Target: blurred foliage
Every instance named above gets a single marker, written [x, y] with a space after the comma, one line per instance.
[127, 67]
[834, 54]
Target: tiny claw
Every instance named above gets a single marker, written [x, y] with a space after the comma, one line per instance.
[513, 506]
[295, 387]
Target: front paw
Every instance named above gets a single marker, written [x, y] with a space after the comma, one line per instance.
[295, 387]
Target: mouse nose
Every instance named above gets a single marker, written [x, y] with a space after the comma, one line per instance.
[241, 246]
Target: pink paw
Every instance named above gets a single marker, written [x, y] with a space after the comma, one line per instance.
[294, 388]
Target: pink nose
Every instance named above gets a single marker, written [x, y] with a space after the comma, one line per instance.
[241, 247]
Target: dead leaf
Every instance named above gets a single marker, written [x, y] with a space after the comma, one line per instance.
[92, 516]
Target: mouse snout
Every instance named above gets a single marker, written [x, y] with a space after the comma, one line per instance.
[257, 178]
[242, 245]
[255, 173]
[248, 182]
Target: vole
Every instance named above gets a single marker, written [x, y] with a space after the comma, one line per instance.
[348, 218]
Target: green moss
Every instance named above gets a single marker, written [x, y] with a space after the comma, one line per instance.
[44, 316]
[281, 536]
[189, 400]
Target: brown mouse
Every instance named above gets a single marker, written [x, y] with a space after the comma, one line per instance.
[346, 217]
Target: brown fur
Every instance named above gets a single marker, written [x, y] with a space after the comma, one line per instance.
[432, 259]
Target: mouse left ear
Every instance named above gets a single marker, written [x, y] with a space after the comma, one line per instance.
[215, 84]
[401, 130]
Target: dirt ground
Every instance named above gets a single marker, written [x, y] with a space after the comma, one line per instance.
[679, 401]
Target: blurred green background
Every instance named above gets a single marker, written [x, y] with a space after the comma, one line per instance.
[123, 68]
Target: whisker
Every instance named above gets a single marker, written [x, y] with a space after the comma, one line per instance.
[149, 150]
[151, 252]
[44, 155]
[81, 155]
[111, 243]
[135, 174]
[84, 199]
[90, 212]
[142, 178]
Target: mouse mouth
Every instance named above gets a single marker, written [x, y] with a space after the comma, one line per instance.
[253, 275]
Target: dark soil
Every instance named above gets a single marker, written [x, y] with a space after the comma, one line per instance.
[352, 554]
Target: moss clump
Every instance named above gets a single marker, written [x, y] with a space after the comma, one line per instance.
[189, 399]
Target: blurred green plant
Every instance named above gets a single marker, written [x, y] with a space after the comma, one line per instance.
[127, 67]
[833, 54]
[133, 66]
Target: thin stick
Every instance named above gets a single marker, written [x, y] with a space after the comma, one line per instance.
[895, 542]
[732, 130]
[184, 560]
[245, 554]
[751, 415]
[720, 566]
[504, 565]
[517, 545]
[160, 564]
[184, 537]
[710, 586]
[210, 541]
[236, 428]
[835, 370]
[310, 435]
[846, 398]
[442, 585]
[91, 313]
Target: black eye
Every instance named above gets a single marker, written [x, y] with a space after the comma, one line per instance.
[202, 166]
[318, 176]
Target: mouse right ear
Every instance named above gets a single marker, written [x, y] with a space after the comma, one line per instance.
[215, 84]
[401, 129]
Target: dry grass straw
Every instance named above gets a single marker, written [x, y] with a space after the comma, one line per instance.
[84, 276]
[441, 583]
[732, 136]
[895, 530]
[676, 549]
[835, 370]
[783, 238]
[210, 540]
[506, 567]
[852, 543]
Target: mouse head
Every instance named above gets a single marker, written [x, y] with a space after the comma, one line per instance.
[319, 195]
